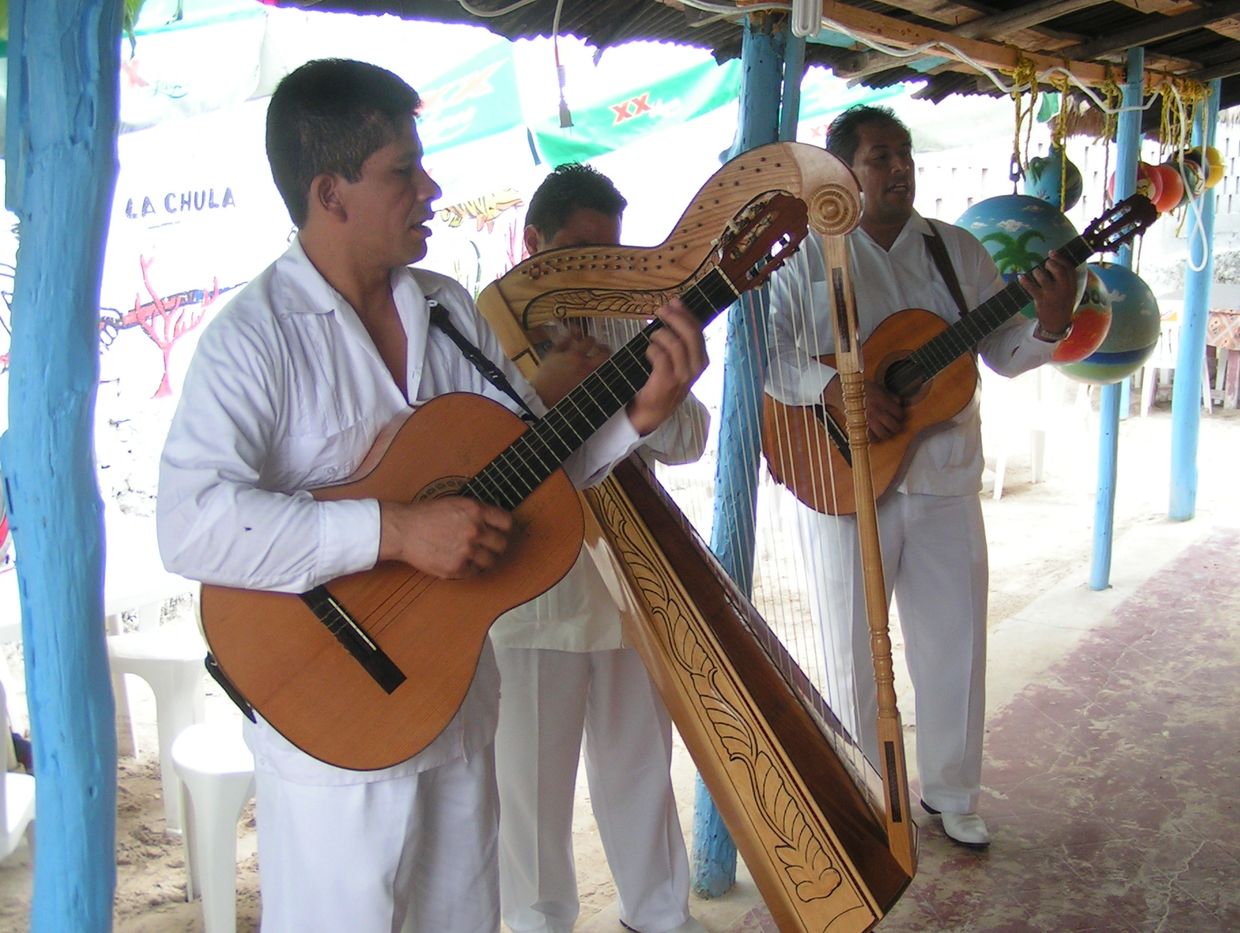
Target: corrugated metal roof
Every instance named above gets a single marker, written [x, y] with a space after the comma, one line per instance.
[1181, 38]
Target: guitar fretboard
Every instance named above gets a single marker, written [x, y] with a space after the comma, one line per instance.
[508, 479]
[965, 334]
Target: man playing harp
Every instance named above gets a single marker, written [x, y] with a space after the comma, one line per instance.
[567, 672]
[930, 524]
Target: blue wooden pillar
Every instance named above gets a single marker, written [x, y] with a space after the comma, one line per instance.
[1186, 389]
[1128, 141]
[732, 528]
[60, 148]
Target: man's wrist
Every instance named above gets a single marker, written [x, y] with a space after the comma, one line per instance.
[1049, 336]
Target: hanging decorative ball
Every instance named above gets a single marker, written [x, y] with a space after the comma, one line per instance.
[1044, 178]
[1132, 336]
[1149, 182]
[1019, 231]
[1090, 321]
[1214, 159]
[1193, 177]
[1171, 189]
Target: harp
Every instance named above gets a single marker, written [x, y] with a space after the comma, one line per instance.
[826, 836]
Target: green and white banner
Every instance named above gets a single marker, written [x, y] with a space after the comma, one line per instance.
[620, 118]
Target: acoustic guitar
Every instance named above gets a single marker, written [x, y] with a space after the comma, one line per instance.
[365, 671]
[924, 361]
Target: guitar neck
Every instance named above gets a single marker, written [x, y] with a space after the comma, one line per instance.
[945, 348]
[541, 450]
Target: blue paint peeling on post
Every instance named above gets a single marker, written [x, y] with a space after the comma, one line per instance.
[1186, 389]
[732, 529]
[63, 90]
[1128, 139]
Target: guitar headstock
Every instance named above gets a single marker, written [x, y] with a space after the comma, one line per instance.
[1121, 223]
[760, 238]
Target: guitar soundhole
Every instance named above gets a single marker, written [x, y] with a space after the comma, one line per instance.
[904, 378]
[444, 486]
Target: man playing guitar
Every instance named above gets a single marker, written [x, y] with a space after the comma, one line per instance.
[291, 385]
[930, 524]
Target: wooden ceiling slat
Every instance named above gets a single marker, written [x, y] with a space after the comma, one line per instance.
[1033, 14]
[894, 32]
[1154, 29]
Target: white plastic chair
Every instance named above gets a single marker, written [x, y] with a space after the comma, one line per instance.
[215, 772]
[1162, 363]
[16, 797]
[170, 660]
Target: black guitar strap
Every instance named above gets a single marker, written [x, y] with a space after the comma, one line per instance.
[490, 372]
[938, 252]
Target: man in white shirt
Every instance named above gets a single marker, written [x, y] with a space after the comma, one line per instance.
[932, 538]
[288, 391]
[565, 670]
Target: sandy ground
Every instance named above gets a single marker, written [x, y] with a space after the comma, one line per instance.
[1040, 535]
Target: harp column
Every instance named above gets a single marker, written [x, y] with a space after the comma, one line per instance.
[771, 59]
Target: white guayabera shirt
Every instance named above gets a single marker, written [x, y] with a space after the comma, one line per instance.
[947, 462]
[286, 393]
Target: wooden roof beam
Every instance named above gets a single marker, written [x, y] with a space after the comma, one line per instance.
[1162, 27]
[894, 32]
[1033, 14]
[1224, 70]
[863, 64]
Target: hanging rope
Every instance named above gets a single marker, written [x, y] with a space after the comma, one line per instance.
[1059, 135]
[1183, 102]
[1112, 96]
[1024, 75]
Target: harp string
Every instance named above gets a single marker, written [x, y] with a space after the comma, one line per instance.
[800, 595]
[803, 561]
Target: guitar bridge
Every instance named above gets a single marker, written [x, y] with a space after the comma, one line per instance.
[836, 432]
[370, 656]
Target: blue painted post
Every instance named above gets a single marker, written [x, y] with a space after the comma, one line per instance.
[1128, 141]
[732, 528]
[1186, 390]
[63, 90]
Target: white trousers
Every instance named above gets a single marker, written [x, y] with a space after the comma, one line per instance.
[547, 700]
[418, 851]
[935, 564]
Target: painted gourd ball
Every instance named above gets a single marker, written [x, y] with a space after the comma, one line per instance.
[1045, 178]
[1090, 321]
[1134, 331]
[1019, 230]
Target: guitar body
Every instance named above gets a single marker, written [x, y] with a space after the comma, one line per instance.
[936, 378]
[294, 671]
[802, 457]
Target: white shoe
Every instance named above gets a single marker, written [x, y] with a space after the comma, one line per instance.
[968, 829]
[689, 926]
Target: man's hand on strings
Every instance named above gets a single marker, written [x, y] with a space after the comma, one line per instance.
[570, 359]
[1053, 290]
[884, 412]
[452, 537]
[677, 355]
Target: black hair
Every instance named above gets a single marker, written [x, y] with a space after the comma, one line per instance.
[331, 115]
[571, 187]
[844, 133]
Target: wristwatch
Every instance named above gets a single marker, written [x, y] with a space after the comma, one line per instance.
[1043, 334]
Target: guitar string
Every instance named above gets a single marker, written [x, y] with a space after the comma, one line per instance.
[510, 478]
